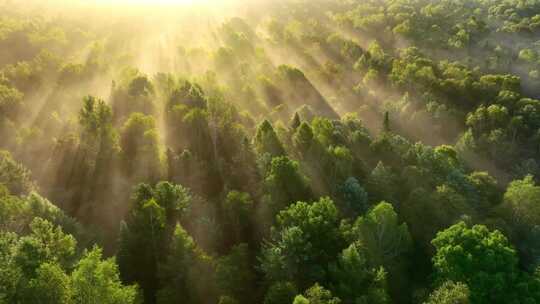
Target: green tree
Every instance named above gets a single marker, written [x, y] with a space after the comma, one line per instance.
[385, 238]
[382, 184]
[354, 197]
[183, 270]
[227, 300]
[316, 295]
[234, 274]
[99, 141]
[266, 140]
[140, 148]
[338, 166]
[95, 280]
[522, 198]
[355, 280]
[304, 241]
[189, 94]
[303, 138]
[142, 246]
[238, 209]
[285, 183]
[200, 140]
[45, 244]
[13, 175]
[134, 94]
[140, 86]
[11, 102]
[387, 243]
[487, 189]
[450, 293]
[11, 274]
[482, 259]
[280, 292]
[51, 285]
[520, 208]
[295, 122]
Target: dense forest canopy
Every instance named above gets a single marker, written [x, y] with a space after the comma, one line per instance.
[276, 152]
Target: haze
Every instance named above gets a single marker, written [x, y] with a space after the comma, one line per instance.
[276, 152]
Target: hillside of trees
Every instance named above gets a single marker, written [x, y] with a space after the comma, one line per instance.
[272, 152]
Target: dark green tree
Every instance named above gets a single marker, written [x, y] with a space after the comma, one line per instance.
[280, 292]
[285, 183]
[266, 140]
[295, 121]
[304, 241]
[234, 274]
[356, 280]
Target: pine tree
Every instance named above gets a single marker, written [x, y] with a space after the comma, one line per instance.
[295, 122]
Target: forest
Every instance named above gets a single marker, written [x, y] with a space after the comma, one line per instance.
[270, 152]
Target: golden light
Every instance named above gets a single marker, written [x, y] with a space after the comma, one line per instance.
[157, 2]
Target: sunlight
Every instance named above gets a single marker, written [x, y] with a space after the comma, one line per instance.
[158, 2]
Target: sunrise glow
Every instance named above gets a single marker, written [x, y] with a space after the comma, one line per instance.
[158, 2]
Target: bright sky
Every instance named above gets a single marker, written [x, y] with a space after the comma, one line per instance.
[158, 2]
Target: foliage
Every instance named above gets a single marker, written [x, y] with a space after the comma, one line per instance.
[337, 151]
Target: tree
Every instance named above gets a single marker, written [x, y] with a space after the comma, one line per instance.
[42, 266]
[304, 241]
[200, 141]
[95, 280]
[387, 242]
[95, 119]
[189, 94]
[234, 275]
[238, 208]
[14, 175]
[488, 191]
[316, 295]
[142, 246]
[11, 102]
[227, 300]
[44, 244]
[354, 197]
[356, 280]
[522, 197]
[382, 184]
[134, 94]
[303, 138]
[520, 207]
[140, 86]
[140, 148]
[266, 140]
[285, 183]
[324, 131]
[50, 286]
[338, 165]
[482, 259]
[99, 147]
[280, 292]
[450, 293]
[183, 270]
[174, 199]
[11, 274]
[381, 231]
[450, 204]
[295, 122]
[145, 237]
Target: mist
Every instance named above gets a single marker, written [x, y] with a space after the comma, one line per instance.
[291, 151]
